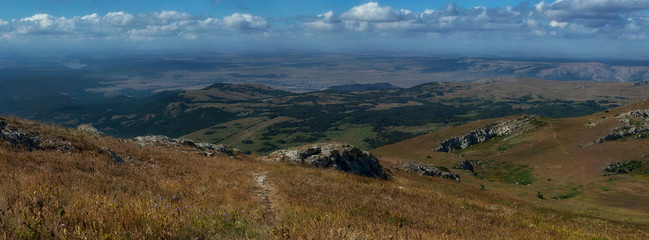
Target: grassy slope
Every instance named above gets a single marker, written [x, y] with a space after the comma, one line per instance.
[563, 164]
[45, 194]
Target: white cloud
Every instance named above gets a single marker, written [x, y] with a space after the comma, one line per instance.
[561, 18]
[370, 12]
[245, 21]
[612, 19]
[119, 19]
[121, 25]
[558, 24]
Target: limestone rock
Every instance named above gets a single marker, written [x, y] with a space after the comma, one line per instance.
[339, 156]
[634, 122]
[426, 169]
[623, 167]
[17, 137]
[483, 134]
[470, 165]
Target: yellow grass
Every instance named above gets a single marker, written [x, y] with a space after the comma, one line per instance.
[163, 193]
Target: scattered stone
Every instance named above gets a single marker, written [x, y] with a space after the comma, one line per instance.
[339, 156]
[208, 154]
[89, 129]
[480, 135]
[426, 169]
[112, 154]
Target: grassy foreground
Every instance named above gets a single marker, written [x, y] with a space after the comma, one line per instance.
[163, 193]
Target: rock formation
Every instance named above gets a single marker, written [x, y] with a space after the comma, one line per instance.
[623, 167]
[339, 156]
[483, 134]
[426, 169]
[31, 140]
[634, 122]
[470, 165]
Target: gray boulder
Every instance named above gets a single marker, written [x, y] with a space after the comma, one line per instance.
[426, 169]
[338, 156]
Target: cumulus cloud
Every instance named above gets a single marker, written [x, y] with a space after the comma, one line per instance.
[371, 12]
[561, 18]
[244, 21]
[126, 26]
[606, 19]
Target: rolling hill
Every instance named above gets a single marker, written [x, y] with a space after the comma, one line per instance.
[258, 119]
[594, 164]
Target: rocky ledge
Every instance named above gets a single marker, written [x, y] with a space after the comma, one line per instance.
[634, 123]
[17, 137]
[480, 135]
[338, 156]
[426, 169]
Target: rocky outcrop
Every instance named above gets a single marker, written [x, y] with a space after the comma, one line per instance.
[89, 129]
[634, 123]
[623, 167]
[339, 156]
[470, 165]
[480, 135]
[31, 140]
[426, 169]
[159, 140]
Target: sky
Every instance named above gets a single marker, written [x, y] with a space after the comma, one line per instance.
[565, 28]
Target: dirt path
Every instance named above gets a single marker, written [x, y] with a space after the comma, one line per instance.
[554, 135]
[264, 193]
[563, 150]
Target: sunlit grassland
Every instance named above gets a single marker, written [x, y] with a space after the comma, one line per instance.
[162, 193]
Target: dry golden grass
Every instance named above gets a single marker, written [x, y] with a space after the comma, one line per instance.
[163, 193]
[562, 159]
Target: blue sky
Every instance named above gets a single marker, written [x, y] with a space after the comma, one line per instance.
[581, 28]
